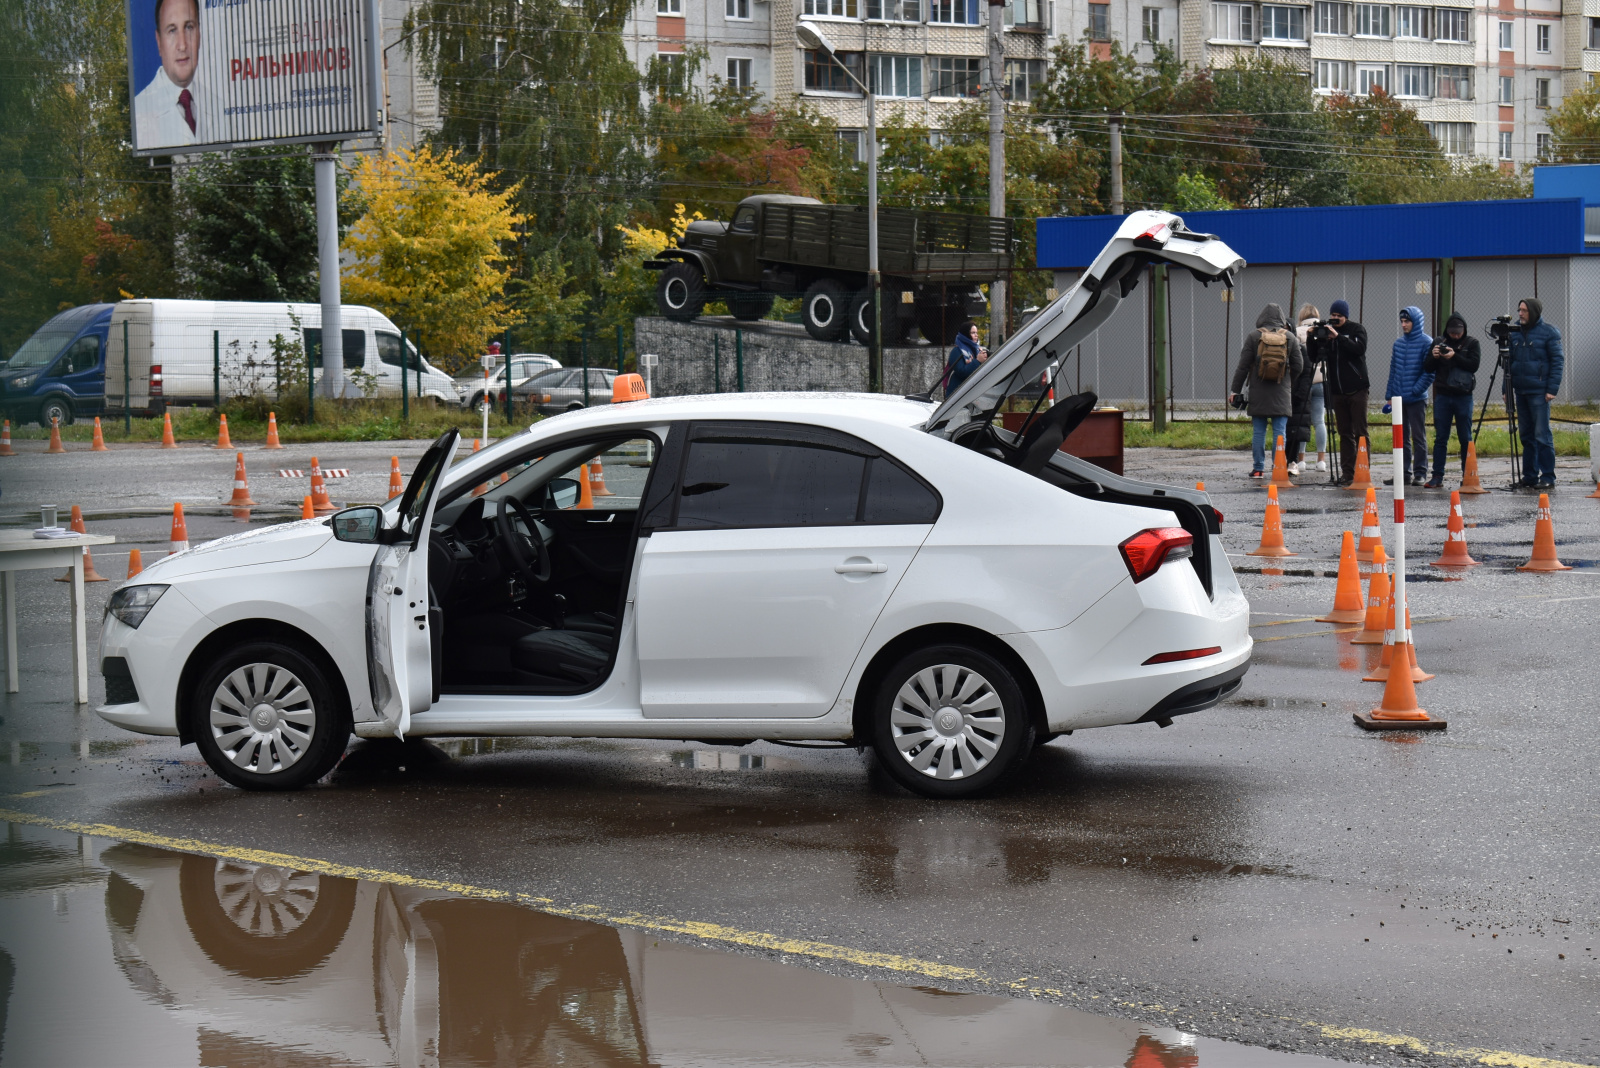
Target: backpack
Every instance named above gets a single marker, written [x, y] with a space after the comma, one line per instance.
[1272, 355]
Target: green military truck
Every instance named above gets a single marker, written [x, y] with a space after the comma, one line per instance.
[931, 263]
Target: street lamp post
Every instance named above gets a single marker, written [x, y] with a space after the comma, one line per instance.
[811, 36]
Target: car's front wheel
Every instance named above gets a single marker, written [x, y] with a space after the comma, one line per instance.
[951, 721]
[266, 717]
[57, 409]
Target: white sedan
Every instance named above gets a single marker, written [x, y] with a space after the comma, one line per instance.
[883, 571]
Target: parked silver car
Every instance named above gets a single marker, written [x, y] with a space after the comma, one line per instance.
[562, 390]
[523, 365]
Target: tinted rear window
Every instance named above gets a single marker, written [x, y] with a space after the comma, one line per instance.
[768, 484]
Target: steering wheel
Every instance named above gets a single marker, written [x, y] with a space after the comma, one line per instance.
[527, 552]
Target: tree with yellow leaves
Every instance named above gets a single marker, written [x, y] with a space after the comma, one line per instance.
[429, 251]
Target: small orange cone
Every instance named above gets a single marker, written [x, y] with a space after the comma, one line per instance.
[1544, 541]
[397, 485]
[597, 479]
[306, 509]
[272, 431]
[1399, 710]
[180, 530]
[1271, 529]
[167, 440]
[55, 436]
[1455, 539]
[5, 440]
[1347, 602]
[1362, 480]
[482, 487]
[585, 494]
[320, 501]
[1201, 486]
[223, 441]
[1371, 532]
[1593, 496]
[241, 485]
[1386, 662]
[135, 562]
[1373, 626]
[1469, 477]
[99, 444]
[89, 573]
[1280, 467]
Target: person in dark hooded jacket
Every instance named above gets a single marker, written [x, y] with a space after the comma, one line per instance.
[1409, 382]
[1271, 402]
[1346, 386]
[1535, 377]
[1453, 362]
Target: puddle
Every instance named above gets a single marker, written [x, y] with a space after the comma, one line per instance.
[191, 960]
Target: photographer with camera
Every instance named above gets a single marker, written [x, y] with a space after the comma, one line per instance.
[1453, 362]
[1309, 416]
[1341, 345]
[1409, 382]
[1534, 375]
[1270, 360]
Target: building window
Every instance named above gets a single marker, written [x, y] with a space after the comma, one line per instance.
[1455, 138]
[895, 10]
[895, 75]
[737, 9]
[669, 7]
[1543, 145]
[1453, 83]
[1152, 25]
[1028, 14]
[1372, 20]
[1541, 92]
[1283, 23]
[838, 9]
[1333, 18]
[1505, 144]
[1370, 77]
[1505, 37]
[1594, 33]
[1099, 22]
[1332, 76]
[1541, 37]
[1022, 77]
[827, 73]
[953, 12]
[1451, 24]
[953, 76]
[1233, 22]
[854, 143]
[1508, 89]
[1413, 80]
[670, 74]
[740, 75]
[1411, 21]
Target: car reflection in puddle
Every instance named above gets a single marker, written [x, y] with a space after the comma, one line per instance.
[121, 953]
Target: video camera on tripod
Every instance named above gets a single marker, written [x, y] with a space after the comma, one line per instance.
[1501, 327]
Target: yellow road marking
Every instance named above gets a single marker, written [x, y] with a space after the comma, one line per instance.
[717, 932]
[1312, 634]
[1281, 622]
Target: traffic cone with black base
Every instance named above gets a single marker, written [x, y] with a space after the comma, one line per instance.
[1455, 540]
[1544, 542]
[1469, 476]
[1399, 710]
[1271, 529]
[1348, 606]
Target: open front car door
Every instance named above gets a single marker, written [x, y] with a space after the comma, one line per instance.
[402, 623]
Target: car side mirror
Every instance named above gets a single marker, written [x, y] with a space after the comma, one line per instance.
[561, 493]
[363, 526]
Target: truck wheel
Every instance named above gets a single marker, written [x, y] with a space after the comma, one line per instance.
[749, 307]
[894, 327]
[55, 407]
[681, 293]
[825, 310]
[938, 322]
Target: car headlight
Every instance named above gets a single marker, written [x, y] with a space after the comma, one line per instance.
[132, 603]
[24, 382]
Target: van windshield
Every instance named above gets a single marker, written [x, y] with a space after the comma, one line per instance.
[48, 341]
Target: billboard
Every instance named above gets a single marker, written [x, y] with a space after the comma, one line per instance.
[212, 74]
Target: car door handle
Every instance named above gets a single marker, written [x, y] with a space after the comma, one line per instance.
[858, 566]
[609, 517]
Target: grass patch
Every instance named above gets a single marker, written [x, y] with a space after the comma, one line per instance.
[336, 421]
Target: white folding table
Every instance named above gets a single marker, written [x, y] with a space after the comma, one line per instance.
[21, 551]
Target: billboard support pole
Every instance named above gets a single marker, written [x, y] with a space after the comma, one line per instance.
[324, 162]
[127, 384]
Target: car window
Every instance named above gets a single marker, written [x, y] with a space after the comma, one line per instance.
[84, 355]
[389, 348]
[894, 495]
[742, 479]
[355, 347]
[599, 379]
[744, 220]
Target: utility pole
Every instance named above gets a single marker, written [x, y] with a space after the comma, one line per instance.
[998, 300]
[325, 163]
[1115, 122]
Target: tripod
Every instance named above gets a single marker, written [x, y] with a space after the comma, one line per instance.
[1503, 361]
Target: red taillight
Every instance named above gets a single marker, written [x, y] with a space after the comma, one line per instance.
[1184, 654]
[155, 380]
[1218, 515]
[1155, 237]
[1147, 550]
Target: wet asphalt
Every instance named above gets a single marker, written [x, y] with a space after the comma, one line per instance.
[1263, 872]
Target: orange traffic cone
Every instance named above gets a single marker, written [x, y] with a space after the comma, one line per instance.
[135, 562]
[320, 501]
[307, 511]
[482, 487]
[585, 494]
[1347, 602]
[1469, 477]
[1455, 539]
[1544, 541]
[55, 436]
[99, 444]
[167, 440]
[1390, 639]
[1362, 479]
[89, 573]
[272, 431]
[180, 530]
[5, 440]
[241, 485]
[1271, 529]
[1371, 532]
[1593, 496]
[1201, 486]
[1373, 626]
[597, 479]
[1280, 467]
[223, 441]
[1399, 710]
[397, 485]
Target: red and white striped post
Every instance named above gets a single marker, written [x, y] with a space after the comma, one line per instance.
[1401, 619]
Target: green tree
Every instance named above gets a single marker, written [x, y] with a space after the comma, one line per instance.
[1389, 157]
[1271, 113]
[1575, 127]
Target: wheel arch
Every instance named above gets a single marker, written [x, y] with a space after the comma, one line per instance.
[243, 630]
[933, 634]
[695, 258]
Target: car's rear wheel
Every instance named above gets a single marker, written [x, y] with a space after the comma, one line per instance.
[265, 717]
[951, 721]
[824, 310]
[55, 407]
[681, 292]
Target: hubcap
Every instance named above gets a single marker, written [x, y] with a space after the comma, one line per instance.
[947, 721]
[263, 718]
[264, 900]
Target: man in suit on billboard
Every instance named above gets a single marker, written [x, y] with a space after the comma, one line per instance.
[167, 110]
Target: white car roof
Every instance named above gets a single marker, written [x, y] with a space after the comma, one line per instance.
[799, 407]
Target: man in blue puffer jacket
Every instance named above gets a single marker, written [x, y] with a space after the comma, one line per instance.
[1409, 382]
[1535, 377]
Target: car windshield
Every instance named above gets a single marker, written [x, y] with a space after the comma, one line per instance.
[48, 341]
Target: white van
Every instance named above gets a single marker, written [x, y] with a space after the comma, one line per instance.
[185, 351]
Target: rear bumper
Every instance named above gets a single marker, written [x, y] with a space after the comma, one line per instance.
[1197, 696]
